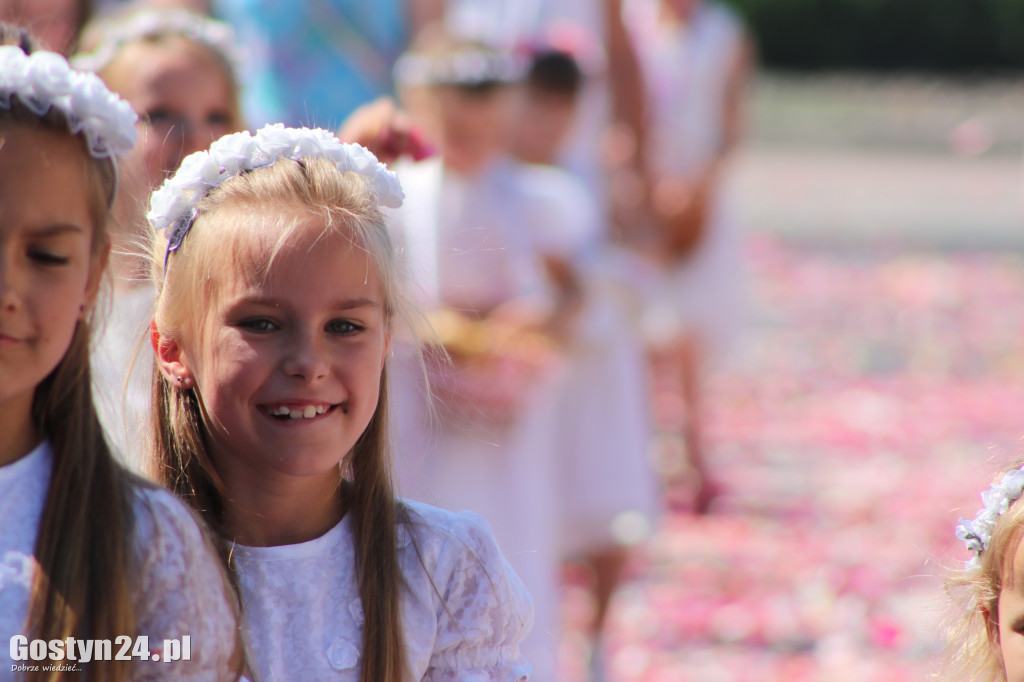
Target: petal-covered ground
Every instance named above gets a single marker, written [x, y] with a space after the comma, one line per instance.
[876, 391]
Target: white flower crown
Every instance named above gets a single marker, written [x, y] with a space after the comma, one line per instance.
[469, 66]
[172, 207]
[116, 33]
[997, 499]
[44, 80]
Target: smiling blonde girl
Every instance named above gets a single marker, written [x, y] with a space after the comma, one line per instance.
[278, 298]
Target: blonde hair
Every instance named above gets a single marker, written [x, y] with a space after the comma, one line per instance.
[222, 237]
[973, 633]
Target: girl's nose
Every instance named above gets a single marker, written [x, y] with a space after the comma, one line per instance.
[10, 294]
[306, 358]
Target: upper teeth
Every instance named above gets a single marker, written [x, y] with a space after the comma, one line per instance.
[308, 412]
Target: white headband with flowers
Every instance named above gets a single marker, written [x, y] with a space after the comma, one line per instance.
[997, 499]
[150, 23]
[468, 66]
[44, 80]
[172, 207]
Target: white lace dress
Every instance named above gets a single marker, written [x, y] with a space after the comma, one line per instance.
[180, 589]
[464, 611]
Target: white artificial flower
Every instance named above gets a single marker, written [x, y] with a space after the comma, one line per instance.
[48, 76]
[43, 80]
[153, 22]
[235, 152]
[977, 534]
[275, 141]
[198, 169]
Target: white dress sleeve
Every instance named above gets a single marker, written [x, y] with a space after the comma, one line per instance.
[485, 611]
[182, 591]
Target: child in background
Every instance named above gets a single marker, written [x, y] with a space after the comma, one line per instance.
[696, 60]
[63, 498]
[176, 69]
[278, 296]
[493, 244]
[608, 494]
[986, 643]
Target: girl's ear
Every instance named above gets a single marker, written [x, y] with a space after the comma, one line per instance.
[170, 358]
[991, 626]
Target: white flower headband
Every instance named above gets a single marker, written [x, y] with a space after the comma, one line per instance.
[150, 23]
[44, 80]
[172, 207]
[469, 66]
[997, 499]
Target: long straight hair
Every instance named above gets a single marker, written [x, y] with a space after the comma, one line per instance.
[78, 591]
[222, 238]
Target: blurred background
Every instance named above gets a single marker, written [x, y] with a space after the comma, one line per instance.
[879, 385]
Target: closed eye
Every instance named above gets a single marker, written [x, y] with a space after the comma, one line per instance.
[48, 258]
[218, 118]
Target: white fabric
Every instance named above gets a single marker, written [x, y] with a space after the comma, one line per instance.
[476, 242]
[464, 611]
[686, 71]
[180, 589]
[608, 492]
[510, 477]
[122, 372]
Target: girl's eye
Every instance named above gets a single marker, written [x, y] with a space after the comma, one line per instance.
[158, 117]
[343, 327]
[218, 118]
[47, 258]
[258, 324]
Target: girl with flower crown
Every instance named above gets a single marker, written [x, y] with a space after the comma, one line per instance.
[86, 550]
[278, 298]
[178, 71]
[986, 641]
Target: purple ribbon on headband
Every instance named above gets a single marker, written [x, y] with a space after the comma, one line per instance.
[177, 236]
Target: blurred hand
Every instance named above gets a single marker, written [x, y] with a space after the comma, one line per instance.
[387, 131]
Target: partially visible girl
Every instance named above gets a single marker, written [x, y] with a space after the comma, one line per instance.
[986, 641]
[176, 69]
[86, 550]
[278, 296]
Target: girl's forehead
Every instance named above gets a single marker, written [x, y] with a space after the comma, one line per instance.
[146, 63]
[259, 247]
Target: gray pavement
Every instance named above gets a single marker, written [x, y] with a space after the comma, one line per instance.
[837, 196]
[865, 159]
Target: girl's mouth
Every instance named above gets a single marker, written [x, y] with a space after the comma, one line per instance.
[289, 412]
